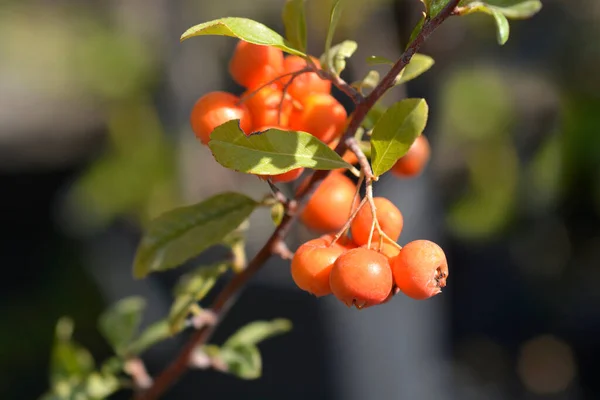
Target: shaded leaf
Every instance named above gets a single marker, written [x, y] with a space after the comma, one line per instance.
[334, 18]
[294, 20]
[243, 361]
[502, 27]
[277, 212]
[523, 10]
[191, 289]
[373, 116]
[257, 331]
[119, 324]
[183, 233]
[337, 55]
[100, 386]
[377, 60]
[416, 30]
[271, 152]
[245, 29]
[433, 7]
[419, 64]
[157, 332]
[395, 132]
[69, 360]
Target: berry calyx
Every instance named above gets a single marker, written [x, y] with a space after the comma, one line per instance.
[331, 204]
[312, 264]
[389, 217]
[214, 109]
[361, 277]
[253, 65]
[413, 162]
[420, 269]
[304, 84]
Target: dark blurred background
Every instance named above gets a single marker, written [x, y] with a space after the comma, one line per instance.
[94, 141]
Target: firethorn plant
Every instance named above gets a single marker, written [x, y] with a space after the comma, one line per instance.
[285, 124]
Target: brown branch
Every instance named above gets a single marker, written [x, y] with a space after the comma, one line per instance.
[233, 288]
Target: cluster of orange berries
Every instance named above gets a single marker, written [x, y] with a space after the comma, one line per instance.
[356, 273]
[361, 270]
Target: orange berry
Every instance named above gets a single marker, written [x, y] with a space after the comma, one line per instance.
[322, 116]
[330, 206]
[361, 277]
[312, 264]
[303, 84]
[264, 107]
[253, 65]
[389, 217]
[413, 162]
[420, 269]
[214, 109]
[387, 249]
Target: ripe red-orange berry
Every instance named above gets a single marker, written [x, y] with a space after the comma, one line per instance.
[387, 249]
[389, 217]
[322, 116]
[413, 162]
[304, 84]
[214, 109]
[253, 65]
[330, 206]
[265, 106]
[344, 241]
[361, 277]
[312, 264]
[420, 269]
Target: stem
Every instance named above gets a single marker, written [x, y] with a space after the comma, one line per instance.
[230, 292]
[349, 222]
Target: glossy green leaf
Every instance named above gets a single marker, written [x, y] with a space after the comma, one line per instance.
[257, 331]
[395, 132]
[334, 18]
[419, 64]
[243, 361]
[245, 29]
[294, 20]
[155, 333]
[377, 60]
[191, 289]
[69, 360]
[337, 55]
[183, 233]
[271, 152]
[119, 324]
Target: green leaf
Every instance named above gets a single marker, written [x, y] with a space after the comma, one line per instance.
[433, 7]
[183, 233]
[334, 18]
[277, 212]
[395, 132]
[523, 10]
[419, 64]
[377, 60]
[373, 116]
[191, 289]
[119, 324]
[294, 20]
[242, 361]
[245, 29]
[257, 331]
[271, 152]
[69, 360]
[337, 55]
[368, 82]
[416, 30]
[157, 332]
[502, 26]
[100, 386]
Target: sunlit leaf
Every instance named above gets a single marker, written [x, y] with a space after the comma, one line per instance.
[334, 18]
[337, 55]
[373, 116]
[395, 132]
[294, 20]
[502, 27]
[245, 29]
[523, 10]
[419, 64]
[191, 289]
[271, 152]
[183, 233]
[100, 386]
[119, 324]
[257, 331]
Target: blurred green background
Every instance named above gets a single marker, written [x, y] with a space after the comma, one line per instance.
[94, 141]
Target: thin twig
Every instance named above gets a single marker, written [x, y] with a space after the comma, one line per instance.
[349, 222]
[247, 96]
[231, 290]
